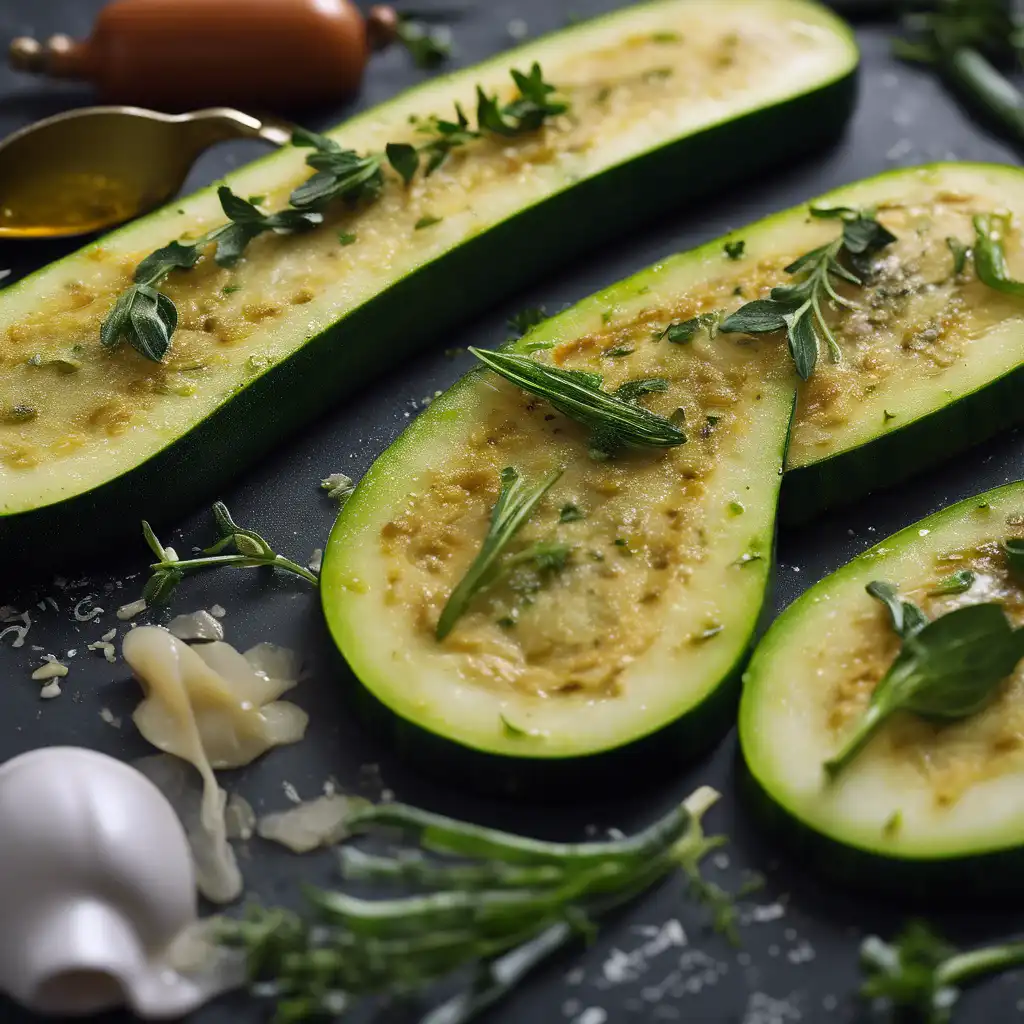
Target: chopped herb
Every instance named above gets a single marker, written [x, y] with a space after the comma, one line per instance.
[20, 414]
[570, 514]
[684, 331]
[886, 415]
[736, 508]
[429, 47]
[60, 364]
[989, 258]
[657, 74]
[958, 582]
[615, 423]
[893, 824]
[734, 250]
[346, 237]
[230, 289]
[712, 419]
[526, 319]
[947, 669]
[516, 501]
[634, 390]
[247, 549]
[621, 542]
[338, 486]
[1014, 551]
[961, 253]
[666, 37]
[427, 221]
[799, 309]
[257, 200]
[619, 351]
[606, 316]
[919, 975]
[507, 621]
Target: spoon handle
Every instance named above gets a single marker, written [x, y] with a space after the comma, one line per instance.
[219, 123]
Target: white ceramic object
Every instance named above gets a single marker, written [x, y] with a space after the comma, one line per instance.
[96, 882]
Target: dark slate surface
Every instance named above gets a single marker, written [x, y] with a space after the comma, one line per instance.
[657, 962]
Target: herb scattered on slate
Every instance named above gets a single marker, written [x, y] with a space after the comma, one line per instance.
[493, 902]
[246, 549]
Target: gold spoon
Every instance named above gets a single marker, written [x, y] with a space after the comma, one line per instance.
[89, 169]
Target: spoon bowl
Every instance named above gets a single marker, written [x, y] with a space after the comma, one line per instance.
[89, 169]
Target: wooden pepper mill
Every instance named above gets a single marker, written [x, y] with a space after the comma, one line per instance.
[181, 54]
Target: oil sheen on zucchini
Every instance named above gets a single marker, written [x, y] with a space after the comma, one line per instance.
[665, 97]
[651, 618]
[921, 800]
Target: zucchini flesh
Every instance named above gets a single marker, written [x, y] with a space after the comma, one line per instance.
[918, 793]
[652, 617]
[654, 88]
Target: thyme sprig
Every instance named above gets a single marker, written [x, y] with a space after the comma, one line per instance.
[516, 501]
[236, 546]
[146, 318]
[507, 903]
[800, 309]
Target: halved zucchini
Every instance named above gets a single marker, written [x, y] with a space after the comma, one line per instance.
[922, 801]
[664, 96]
[650, 620]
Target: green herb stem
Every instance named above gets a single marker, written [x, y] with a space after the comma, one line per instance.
[965, 966]
[243, 561]
[869, 724]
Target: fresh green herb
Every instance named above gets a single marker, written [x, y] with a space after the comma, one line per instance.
[666, 37]
[961, 253]
[516, 501]
[230, 289]
[886, 415]
[734, 250]
[247, 547]
[346, 237]
[580, 396]
[958, 582]
[428, 46]
[619, 351]
[946, 669]
[20, 414]
[145, 317]
[1013, 548]
[634, 390]
[799, 308]
[512, 730]
[736, 508]
[970, 43]
[921, 975]
[570, 514]
[621, 542]
[526, 319]
[606, 316]
[505, 904]
[338, 486]
[686, 330]
[527, 112]
[426, 221]
[989, 258]
[61, 364]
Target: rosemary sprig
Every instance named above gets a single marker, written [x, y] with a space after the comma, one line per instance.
[800, 308]
[615, 421]
[246, 548]
[516, 501]
[507, 903]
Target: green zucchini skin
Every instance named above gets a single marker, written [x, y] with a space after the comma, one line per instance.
[418, 308]
[951, 871]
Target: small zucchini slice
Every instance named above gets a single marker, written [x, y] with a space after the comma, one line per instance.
[668, 100]
[640, 634]
[925, 802]
[932, 360]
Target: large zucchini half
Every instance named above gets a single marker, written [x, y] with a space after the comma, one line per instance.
[615, 649]
[651, 620]
[922, 802]
[669, 99]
